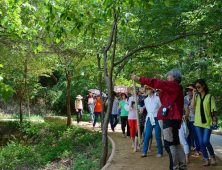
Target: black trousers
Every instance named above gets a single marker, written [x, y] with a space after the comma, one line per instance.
[124, 124]
[172, 144]
[77, 115]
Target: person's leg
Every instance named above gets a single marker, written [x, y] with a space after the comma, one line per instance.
[111, 122]
[171, 140]
[136, 143]
[183, 141]
[200, 134]
[206, 141]
[90, 112]
[158, 137]
[123, 123]
[132, 131]
[95, 120]
[81, 113]
[141, 132]
[128, 127]
[181, 157]
[116, 121]
[197, 145]
[146, 138]
[77, 116]
[189, 136]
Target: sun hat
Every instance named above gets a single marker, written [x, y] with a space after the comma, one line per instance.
[129, 89]
[79, 96]
[120, 95]
[145, 87]
[190, 86]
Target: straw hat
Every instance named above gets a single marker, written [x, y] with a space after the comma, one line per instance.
[79, 97]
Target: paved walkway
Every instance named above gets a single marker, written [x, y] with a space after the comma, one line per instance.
[216, 141]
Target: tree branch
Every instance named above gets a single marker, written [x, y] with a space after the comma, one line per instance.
[158, 45]
[110, 39]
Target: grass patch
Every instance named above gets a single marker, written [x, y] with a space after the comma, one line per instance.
[41, 144]
[16, 116]
[219, 117]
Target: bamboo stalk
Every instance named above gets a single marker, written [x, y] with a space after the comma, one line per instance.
[137, 112]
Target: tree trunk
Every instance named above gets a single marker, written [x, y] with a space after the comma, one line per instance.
[103, 157]
[109, 85]
[68, 102]
[20, 110]
[28, 108]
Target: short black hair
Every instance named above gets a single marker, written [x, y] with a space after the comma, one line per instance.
[114, 94]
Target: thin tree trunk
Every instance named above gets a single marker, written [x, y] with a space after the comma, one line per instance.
[68, 101]
[28, 108]
[20, 110]
[109, 85]
[101, 89]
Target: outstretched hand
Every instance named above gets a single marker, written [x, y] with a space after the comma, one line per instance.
[134, 77]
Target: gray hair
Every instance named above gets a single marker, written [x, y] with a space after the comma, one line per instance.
[175, 73]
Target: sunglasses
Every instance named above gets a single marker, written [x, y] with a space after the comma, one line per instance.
[190, 90]
[148, 88]
[198, 87]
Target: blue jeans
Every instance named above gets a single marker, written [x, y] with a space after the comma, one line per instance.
[113, 125]
[204, 141]
[91, 108]
[193, 133]
[96, 117]
[148, 135]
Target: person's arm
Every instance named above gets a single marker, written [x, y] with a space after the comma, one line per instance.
[76, 106]
[119, 112]
[169, 86]
[106, 104]
[187, 112]
[193, 101]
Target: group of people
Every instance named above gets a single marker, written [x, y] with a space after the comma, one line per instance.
[183, 120]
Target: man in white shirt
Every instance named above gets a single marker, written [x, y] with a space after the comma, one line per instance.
[152, 105]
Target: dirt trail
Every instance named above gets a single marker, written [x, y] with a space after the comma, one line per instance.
[125, 159]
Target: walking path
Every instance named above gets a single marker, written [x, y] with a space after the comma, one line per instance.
[124, 158]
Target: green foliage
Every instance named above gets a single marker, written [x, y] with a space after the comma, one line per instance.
[51, 141]
[6, 91]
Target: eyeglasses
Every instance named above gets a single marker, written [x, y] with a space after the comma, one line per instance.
[198, 87]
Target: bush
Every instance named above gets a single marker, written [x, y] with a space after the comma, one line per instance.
[49, 142]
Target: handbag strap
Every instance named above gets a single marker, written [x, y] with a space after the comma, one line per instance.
[173, 101]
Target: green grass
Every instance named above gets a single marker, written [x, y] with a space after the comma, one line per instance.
[85, 117]
[48, 143]
[220, 122]
[16, 116]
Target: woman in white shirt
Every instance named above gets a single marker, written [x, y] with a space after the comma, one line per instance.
[152, 104]
[132, 120]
